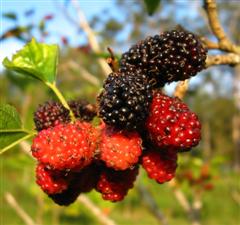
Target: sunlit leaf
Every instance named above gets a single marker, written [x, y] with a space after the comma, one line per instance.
[37, 60]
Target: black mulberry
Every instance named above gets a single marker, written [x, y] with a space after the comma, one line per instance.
[172, 56]
[125, 100]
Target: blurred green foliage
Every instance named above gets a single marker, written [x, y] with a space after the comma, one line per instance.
[152, 5]
[131, 211]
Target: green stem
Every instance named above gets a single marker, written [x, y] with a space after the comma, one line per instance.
[16, 142]
[62, 99]
[17, 130]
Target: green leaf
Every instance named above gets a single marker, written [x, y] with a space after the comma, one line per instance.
[37, 60]
[11, 131]
[152, 6]
[10, 15]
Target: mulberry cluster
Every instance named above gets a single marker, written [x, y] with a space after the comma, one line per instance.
[172, 56]
[139, 127]
[75, 157]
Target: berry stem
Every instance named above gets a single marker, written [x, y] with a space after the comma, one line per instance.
[112, 61]
[17, 130]
[62, 99]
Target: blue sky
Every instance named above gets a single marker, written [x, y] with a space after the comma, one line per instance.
[59, 26]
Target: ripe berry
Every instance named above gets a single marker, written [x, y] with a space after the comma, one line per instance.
[67, 197]
[172, 124]
[160, 165]
[172, 56]
[119, 149]
[87, 178]
[52, 113]
[51, 181]
[114, 185]
[125, 100]
[81, 182]
[66, 146]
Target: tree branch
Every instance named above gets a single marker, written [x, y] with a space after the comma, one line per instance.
[236, 196]
[96, 211]
[226, 59]
[84, 73]
[26, 148]
[213, 19]
[112, 61]
[151, 203]
[180, 196]
[181, 89]
[65, 12]
[19, 210]
[209, 44]
[91, 36]
[183, 201]
[224, 44]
